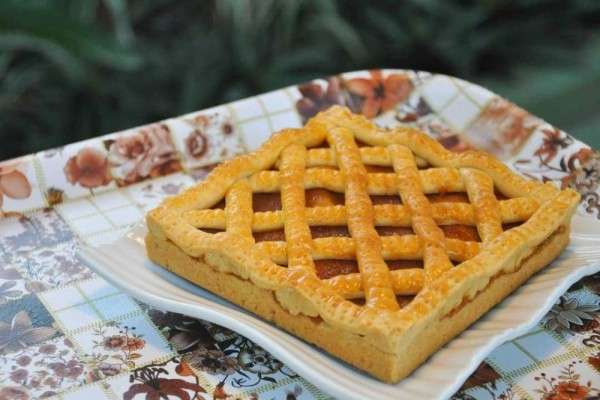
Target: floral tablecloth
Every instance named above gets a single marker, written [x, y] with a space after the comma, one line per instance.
[65, 332]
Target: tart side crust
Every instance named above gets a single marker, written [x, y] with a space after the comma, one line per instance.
[451, 325]
[358, 350]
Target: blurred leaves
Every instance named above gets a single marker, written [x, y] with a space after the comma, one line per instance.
[73, 69]
[63, 40]
[566, 94]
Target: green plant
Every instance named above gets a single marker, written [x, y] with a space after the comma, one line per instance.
[74, 69]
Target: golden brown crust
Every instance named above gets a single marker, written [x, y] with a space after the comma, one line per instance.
[355, 349]
[439, 288]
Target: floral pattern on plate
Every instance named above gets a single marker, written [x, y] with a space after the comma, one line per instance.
[559, 158]
[415, 112]
[147, 153]
[370, 95]
[207, 137]
[79, 170]
[14, 184]
[148, 195]
[88, 168]
[501, 128]
[20, 188]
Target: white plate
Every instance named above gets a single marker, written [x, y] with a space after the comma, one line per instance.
[124, 263]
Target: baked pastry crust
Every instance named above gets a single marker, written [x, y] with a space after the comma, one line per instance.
[375, 336]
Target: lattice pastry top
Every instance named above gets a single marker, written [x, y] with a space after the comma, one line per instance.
[375, 231]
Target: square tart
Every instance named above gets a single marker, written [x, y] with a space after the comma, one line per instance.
[377, 245]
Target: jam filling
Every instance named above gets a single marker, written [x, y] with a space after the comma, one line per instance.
[277, 235]
[461, 232]
[506, 227]
[331, 268]
[379, 169]
[499, 195]
[359, 302]
[323, 145]
[329, 231]
[212, 231]
[266, 202]
[321, 197]
[452, 197]
[220, 205]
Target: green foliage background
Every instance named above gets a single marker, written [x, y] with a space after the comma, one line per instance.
[72, 69]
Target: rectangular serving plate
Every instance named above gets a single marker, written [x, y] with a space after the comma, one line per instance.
[125, 264]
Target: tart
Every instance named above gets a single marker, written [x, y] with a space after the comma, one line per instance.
[378, 246]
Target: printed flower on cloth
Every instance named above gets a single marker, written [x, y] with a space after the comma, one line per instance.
[22, 234]
[171, 380]
[570, 315]
[483, 375]
[571, 382]
[20, 333]
[147, 153]
[48, 267]
[115, 348]
[184, 333]
[12, 284]
[225, 358]
[553, 141]
[211, 361]
[196, 144]
[44, 370]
